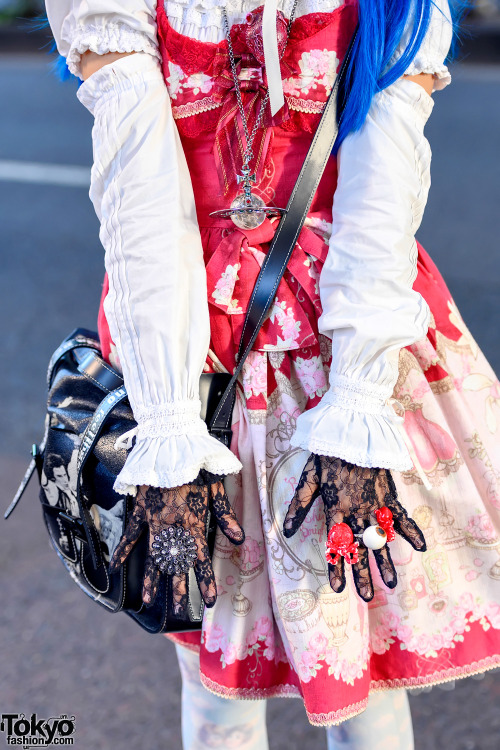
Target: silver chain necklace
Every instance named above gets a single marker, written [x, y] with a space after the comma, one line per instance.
[247, 210]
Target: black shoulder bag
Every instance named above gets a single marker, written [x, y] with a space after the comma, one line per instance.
[87, 410]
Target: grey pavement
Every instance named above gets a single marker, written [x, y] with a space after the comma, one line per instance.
[59, 651]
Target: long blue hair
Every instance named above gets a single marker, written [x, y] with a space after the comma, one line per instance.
[382, 24]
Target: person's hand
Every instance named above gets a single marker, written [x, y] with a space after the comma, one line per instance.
[351, 494]
[177, 519]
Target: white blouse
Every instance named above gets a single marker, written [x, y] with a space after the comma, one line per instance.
[157, 306]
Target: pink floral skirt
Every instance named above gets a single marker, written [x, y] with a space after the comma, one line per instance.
[277, 629]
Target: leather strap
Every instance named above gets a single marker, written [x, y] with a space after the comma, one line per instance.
[79, 338]
[98, 372]
[36, 463]
[89, 439]
[286, 235]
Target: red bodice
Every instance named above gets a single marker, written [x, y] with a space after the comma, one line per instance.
[200, 84]
[199, 80]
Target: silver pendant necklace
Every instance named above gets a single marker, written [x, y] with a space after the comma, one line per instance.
[247, 210]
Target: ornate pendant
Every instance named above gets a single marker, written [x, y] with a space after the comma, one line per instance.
[247, 210]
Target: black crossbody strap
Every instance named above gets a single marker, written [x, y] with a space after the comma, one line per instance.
[284, 240]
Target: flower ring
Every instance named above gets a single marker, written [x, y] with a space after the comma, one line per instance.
[175, 550]
[340, 542]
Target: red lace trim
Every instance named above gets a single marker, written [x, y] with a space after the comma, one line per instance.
[192, 127]
[307, 26]
[305, 122]
[195, 56]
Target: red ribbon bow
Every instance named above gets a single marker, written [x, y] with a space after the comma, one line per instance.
[230, 140]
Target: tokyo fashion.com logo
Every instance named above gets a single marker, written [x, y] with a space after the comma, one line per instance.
[30, 731]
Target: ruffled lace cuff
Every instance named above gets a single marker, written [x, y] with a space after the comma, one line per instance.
[172, 444]
[106, 37]
[356, 422]
[440, 72]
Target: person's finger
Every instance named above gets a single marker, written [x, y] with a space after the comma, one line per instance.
[204, 573]
[179, 595]
[225, 515]
[151, 581]
[408, 529]
[403, 524]
[306, 492]
[386, 566]
[130, 536]
[336, 574]
[362, 576]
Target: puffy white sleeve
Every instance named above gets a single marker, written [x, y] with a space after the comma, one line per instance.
[157, 307]
[370, 310]
[102, 26]
[434, 49]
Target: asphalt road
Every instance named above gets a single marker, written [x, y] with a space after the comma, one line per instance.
[59, 652]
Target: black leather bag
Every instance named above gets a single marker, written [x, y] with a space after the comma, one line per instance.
[88, 410]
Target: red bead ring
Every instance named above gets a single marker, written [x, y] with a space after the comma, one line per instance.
[340, 541]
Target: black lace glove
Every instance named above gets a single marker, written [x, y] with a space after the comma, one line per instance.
[351, 494]
[178, 516]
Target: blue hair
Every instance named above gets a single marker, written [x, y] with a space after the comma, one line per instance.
[58, 63]
[382, 24]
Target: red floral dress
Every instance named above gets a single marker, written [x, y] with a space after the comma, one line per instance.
[277, 628]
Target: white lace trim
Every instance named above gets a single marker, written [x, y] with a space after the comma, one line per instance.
[434, 47]
[202, 19]
[374, 459]
[207, 103]
[356, 395]
[305, 105]
[213, 456]
[172, 444]
[127, 482]
[109, 37]
[442, 76]
[195, 108]
[174, 418]
[362, 438]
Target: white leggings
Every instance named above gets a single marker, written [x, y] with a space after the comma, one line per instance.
[209, 721]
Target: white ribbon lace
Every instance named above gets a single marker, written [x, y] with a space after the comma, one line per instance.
[271, 56]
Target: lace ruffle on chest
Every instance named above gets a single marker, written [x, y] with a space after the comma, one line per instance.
[199, 81]
[202, 19]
